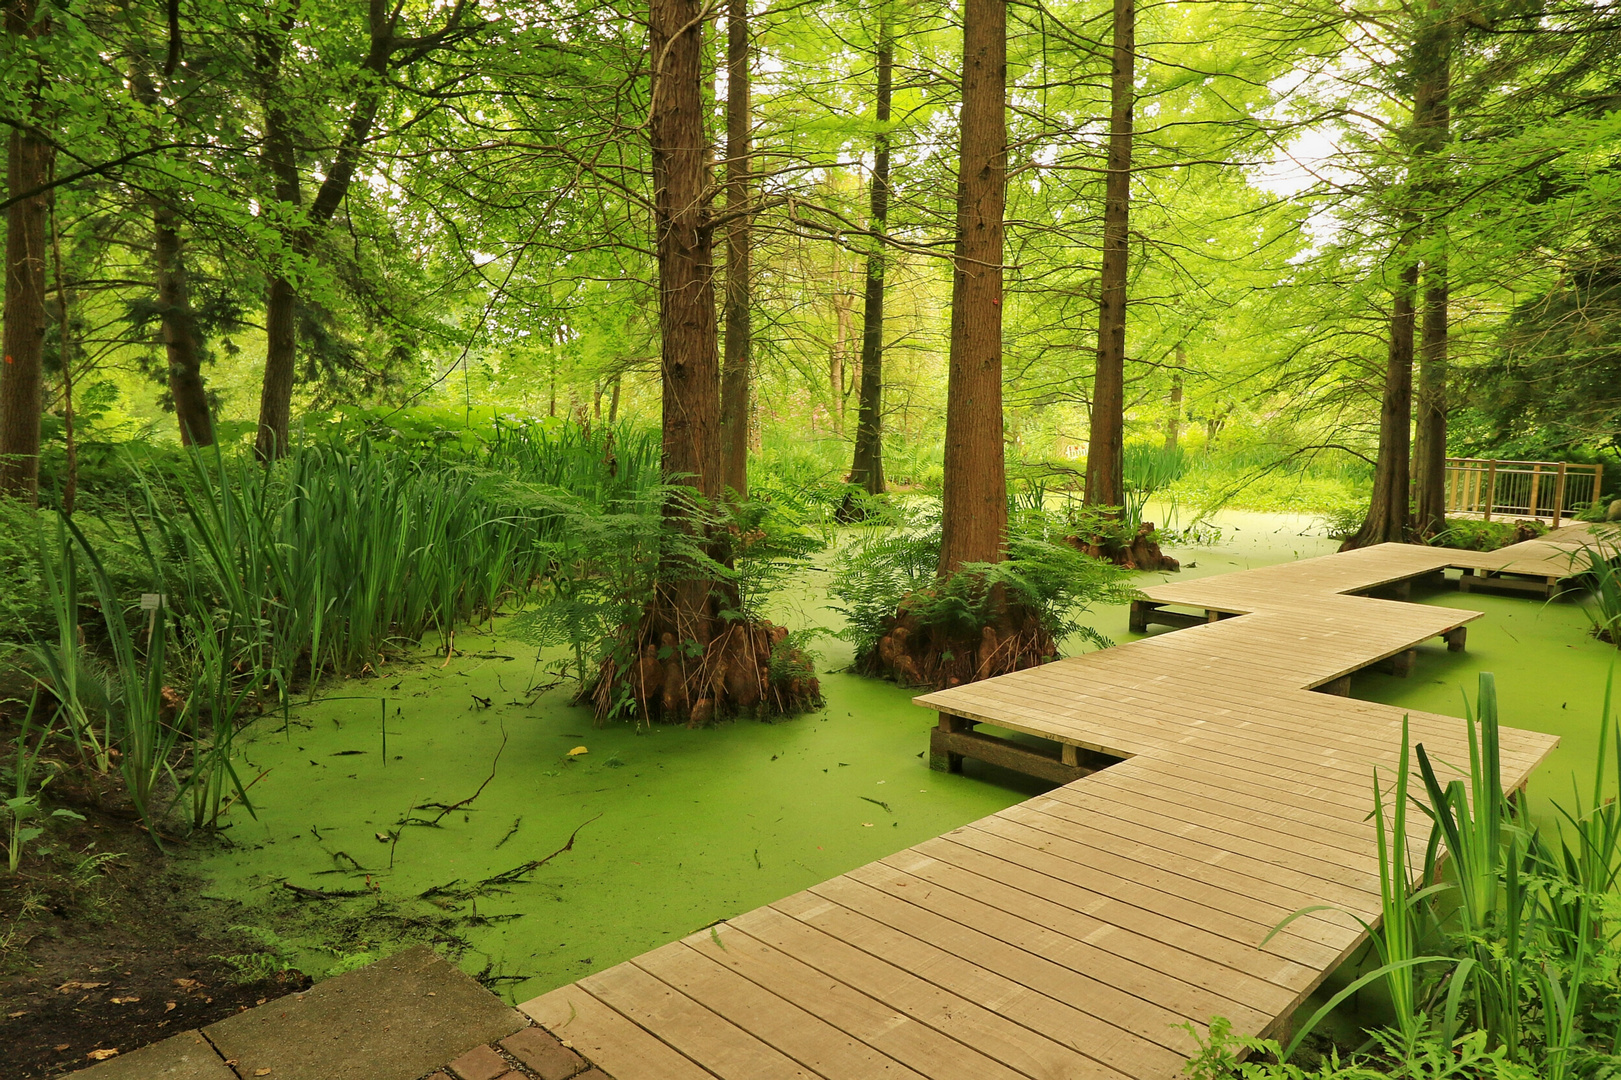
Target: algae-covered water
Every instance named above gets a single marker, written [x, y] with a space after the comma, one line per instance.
[680, 828]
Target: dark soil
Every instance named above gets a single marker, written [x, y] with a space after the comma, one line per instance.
[106, 944]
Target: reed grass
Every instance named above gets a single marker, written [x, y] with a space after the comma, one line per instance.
[326, 564]
[1502, 946]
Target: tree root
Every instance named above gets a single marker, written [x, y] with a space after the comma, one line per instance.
[744, 668]
[931, 655]
[1141, 552]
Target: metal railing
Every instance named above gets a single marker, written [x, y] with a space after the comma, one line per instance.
[1553, 490]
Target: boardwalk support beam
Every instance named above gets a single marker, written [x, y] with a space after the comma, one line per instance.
[1400, 664]
[1145, 613]
[955, 739]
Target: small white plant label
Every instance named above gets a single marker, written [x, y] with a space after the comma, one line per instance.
[151, 601]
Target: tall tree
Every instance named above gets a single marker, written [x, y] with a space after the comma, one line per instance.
[689, 362]
[1432, 113]
[1173, 416]
[1389, 517]
[29, 159]
[386, 55]
[867, 466]
[1105, 454]
[182, 342]
[736, 382]
[974, 501]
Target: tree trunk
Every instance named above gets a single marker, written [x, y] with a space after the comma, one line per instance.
[974, 502]
[1173, 421]
[734, 390]
[867, 466]
[276, 393]
[182, 343]
[1105, 453]
[64, 307]
[1432, 115]
[181, 340]
[1388, 514]
[1430, 457]
[281, 299]
[28, 168]
[613, 402]
[836, 355]
[689, 361]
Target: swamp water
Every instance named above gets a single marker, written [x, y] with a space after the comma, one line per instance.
[678, 829]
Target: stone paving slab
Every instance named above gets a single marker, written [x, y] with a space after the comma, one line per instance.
[397, 1019]
[186, 1056]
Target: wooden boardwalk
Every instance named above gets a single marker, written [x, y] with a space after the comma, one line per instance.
[1076, 934]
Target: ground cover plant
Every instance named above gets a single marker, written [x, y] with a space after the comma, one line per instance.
[1472, 535]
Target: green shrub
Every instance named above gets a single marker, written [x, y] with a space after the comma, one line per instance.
[1472, 535]
[884, 565]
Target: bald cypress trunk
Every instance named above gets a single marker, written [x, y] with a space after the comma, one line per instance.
[1105, 455]
[1432, 117]
[974, 510]
[867, 467]
[689, 361]
[1389, 517]
[28, 168]
[736, 377]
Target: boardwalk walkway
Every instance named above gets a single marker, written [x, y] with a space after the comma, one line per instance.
[1073, 935]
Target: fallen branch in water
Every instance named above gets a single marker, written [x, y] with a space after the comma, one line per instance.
[456, 891]
[450, 808]
[323, 894]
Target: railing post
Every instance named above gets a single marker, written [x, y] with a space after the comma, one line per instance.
[1559, 497]
[1491, 487]
[1536, 482]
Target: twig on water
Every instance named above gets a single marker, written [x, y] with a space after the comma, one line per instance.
[506, 877]
[451, 808]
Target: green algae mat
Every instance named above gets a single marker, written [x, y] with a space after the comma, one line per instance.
[673, 829]
[502, 824]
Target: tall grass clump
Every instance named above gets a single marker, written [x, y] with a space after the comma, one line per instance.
[1602, 576]
[1148, 469]
[1499, 950]
[222, 587]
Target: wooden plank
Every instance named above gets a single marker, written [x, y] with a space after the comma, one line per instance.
[1236, 893]
[785, 1027]
[917, 979]
[994, 750]
[607, 1038]
[861, 1015]
[995, 923]
[724, 1048]
[1203, 958]
[1000, 978]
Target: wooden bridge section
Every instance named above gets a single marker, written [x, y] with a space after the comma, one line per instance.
[1212, 792]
